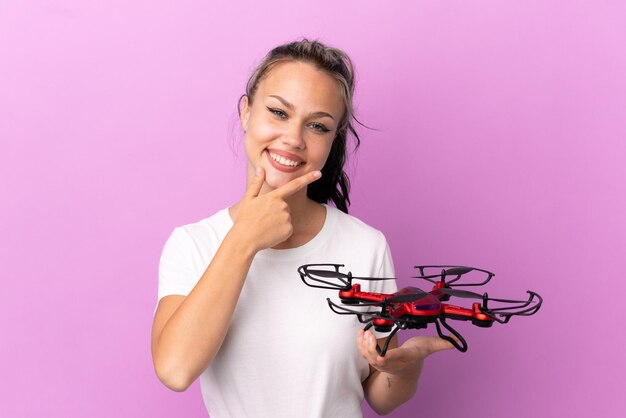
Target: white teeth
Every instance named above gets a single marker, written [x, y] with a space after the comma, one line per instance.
[282, 160]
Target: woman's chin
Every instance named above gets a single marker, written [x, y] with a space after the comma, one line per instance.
[276, 179]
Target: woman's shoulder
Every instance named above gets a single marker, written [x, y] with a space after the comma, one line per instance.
[355, 226]
[214, 226]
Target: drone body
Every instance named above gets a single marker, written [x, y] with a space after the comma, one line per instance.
[423, 310]
[413, 308]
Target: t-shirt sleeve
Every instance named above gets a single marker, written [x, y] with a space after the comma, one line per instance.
[386, 269]
[177, 275]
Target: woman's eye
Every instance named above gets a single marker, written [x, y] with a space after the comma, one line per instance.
[321, 128]
[277, 112]
[317, 126]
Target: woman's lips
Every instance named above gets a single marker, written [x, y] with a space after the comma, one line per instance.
[285, 154]
[279, 166]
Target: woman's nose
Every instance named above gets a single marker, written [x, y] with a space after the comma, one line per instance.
[294, 137]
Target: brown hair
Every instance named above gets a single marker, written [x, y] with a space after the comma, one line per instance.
[334, 185]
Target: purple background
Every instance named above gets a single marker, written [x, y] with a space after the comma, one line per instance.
[500, 144]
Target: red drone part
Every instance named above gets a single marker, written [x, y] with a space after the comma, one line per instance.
[411, 307]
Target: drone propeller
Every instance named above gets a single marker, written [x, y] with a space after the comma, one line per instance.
[457, 270]
[454, 271]
[460, 293]
[342, 281]
[451, 274]
[525, 308]
[329, 274]
[337, 274]
[415, 294]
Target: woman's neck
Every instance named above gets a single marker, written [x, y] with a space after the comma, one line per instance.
[307, 218]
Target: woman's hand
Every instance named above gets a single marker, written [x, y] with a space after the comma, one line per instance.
[401, 360]
[265, 221]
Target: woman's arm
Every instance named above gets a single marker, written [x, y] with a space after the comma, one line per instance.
[186, 338]
[394, 378]
[188, 331]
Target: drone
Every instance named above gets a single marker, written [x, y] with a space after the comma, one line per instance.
[413, 308]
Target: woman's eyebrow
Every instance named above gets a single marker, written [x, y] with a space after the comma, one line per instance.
[290, 106]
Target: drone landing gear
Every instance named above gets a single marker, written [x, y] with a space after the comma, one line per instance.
[459, 343]
[386, 346]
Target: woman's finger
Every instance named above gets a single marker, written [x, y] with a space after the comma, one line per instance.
[254, 188]
[439, 344]
[362, 344]
[297, 184]
[372, 354]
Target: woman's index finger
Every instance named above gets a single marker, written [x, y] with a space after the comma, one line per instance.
[297, 184]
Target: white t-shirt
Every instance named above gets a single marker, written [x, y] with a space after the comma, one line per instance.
[286, 353]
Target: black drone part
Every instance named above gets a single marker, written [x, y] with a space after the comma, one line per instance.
[329, 274]
[400, 323]
[459, 342]
[344, 279]
[455, 271]
[342, 310]
[449, 271]
[460, 293]
[383, 351]
[407, 297]
[525, 308]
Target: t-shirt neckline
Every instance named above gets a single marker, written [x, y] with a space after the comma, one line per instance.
[289, 253]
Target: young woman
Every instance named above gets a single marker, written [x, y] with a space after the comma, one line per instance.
[232, 308]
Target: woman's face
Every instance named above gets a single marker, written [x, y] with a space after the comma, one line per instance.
[292, 122]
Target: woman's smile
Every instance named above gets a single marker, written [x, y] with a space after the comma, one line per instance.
[279, 161]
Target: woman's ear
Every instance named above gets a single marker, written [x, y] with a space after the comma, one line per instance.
[245, 113]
